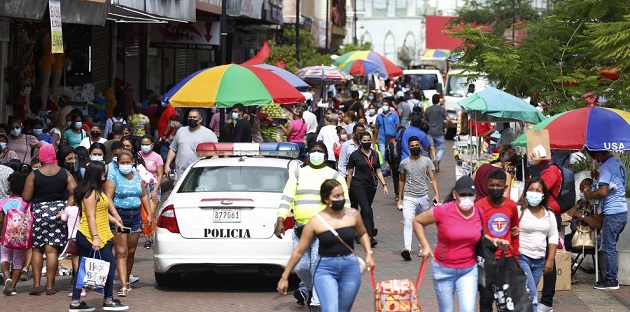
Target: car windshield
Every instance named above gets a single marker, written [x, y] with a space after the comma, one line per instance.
[235, 179]
[424, 81]
[457, 86]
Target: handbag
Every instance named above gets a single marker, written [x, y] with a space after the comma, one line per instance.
[583, 237]
[17, 232]
[510, 287]
[362, 264]
[92, 272]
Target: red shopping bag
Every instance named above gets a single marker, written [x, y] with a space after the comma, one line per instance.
[399, 295]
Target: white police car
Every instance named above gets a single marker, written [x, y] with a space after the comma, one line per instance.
[220, 215]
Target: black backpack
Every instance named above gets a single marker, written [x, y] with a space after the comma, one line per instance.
[394, 147]
[566, 199]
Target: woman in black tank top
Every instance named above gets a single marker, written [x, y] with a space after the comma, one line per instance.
[337, 275]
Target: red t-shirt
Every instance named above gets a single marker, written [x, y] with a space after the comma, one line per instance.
[499, 221]
[164, 119]
[553, 180]
[478, 128]
[457, 236]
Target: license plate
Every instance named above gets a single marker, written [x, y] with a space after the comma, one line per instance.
[231, 215]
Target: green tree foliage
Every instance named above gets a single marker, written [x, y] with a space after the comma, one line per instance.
[498, 14]
[562, 56]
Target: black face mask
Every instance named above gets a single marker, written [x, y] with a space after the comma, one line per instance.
[193, 123]
[495, 193]
[95, 135]
[366, 145]
[337, 205]
[415, 151]
[72, 166]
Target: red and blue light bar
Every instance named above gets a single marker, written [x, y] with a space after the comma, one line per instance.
[282, 149]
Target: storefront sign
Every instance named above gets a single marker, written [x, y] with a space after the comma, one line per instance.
[273, 13]
[199, 35]
[56, 33]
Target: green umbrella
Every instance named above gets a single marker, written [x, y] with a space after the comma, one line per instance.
[496, 105]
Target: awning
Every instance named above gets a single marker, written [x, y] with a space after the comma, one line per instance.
[33, 9]
[123, 14]
[84, 12]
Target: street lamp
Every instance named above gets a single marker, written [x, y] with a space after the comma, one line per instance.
[355, 40]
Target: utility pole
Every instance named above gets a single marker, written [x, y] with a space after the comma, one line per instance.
[327, 23]
[355, 40]
[297, 31]
[224, 33]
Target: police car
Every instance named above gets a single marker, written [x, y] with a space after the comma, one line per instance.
[221, 213]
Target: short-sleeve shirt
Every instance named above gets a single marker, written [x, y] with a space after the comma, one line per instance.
[435, 118]
[457, 236]
[498, 221]
[23, 146]
[387, 125]
[127, 192]
[46, 138]
[152, 161]
[138, 123]
[74, 139]
[416, 176]
[613, 174]
[404, 109]
[404, 142]
[185, 145]
[87, 142]
[13, 203]
[364, 168]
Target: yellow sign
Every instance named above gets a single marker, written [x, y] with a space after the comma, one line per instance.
[56, 32]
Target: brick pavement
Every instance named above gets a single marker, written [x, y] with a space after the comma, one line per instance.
[207, 292]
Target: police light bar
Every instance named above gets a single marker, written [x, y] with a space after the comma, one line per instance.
[283, 149]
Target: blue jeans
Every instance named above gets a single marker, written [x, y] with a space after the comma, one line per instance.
[447, 281]
[438, 140]
[306, 266]
[533, 268]
[84, 247]
[381, 149]
[612, 226]
[337, 281]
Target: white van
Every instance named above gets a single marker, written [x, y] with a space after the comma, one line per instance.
[429, 80]
[457, 81]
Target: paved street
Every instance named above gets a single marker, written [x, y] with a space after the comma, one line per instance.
[199, 292]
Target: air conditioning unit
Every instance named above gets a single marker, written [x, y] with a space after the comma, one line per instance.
[405, 54]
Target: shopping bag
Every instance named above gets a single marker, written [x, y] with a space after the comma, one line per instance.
[486, 262]
[510, 287]
[17, 232]
[92, 272]
[400, 295]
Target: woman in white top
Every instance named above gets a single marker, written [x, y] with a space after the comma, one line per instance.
[538, 235]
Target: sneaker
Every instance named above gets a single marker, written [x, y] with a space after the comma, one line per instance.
[133, 279]
[82, 307]
[7, 286]
[301, 296]
[406, 255]
[147, 245]
[607, 284]
[543, 308]
[315, 308]
[13, 292]
[115, 305]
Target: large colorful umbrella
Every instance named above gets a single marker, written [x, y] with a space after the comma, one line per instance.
[361, 68]
[323, 74]
[436, 53]
[497, 105]
[292, 79]
[597, 128]
[227, 85]
[388, 68]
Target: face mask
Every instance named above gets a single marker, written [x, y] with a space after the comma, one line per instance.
[193, 123]
[69, 123]
[16, 132]
[316, 158]
[385, 109]
[38, 132]
[366, 145]
[96, 158]
[146, 148]
[344, 137]
[371, 111]
[115, 159]
[337, 205]
[3, 145]
[234, 115]
[415, 151]
[172, 124]
[370, 98]
[72, 166]
[495, 193]
[78, 125]
[125, 169]
[466, 203]
[534, 198]
[95, 135]
[48, 122]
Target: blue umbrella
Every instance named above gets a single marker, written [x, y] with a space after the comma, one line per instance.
[289, 77]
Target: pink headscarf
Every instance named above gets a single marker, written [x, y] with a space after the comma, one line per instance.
[47, 154]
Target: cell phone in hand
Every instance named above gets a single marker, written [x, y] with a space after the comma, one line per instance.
[124, 230]
[435, 202]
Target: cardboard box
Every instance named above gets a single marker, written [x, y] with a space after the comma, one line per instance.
[563, 271]
[538, 140]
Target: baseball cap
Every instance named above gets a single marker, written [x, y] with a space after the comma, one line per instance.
[465, 185]
[416, 120]
[400, 94]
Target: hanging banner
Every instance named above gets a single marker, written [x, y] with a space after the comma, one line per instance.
[56, 33]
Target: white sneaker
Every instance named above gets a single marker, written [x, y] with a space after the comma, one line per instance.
[544, 308]
[133, 279]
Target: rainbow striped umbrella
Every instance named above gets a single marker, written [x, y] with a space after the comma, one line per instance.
[387, 67]
[436, 53]
[361, 68]
[597, 128]
[323, 73]
[227, 85]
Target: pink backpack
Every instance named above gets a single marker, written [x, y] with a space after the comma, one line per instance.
[17, 232]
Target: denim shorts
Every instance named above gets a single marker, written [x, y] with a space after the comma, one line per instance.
[131, 218]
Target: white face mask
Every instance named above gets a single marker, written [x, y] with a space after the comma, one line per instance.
[534, 198]
[96, 158]
[316, 158]
[466, 203]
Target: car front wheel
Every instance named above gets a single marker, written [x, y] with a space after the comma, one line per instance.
[167, 279]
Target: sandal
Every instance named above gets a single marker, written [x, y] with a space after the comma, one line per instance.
[24, 276]
[35, 292]
[123, 292]
[50, 292]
